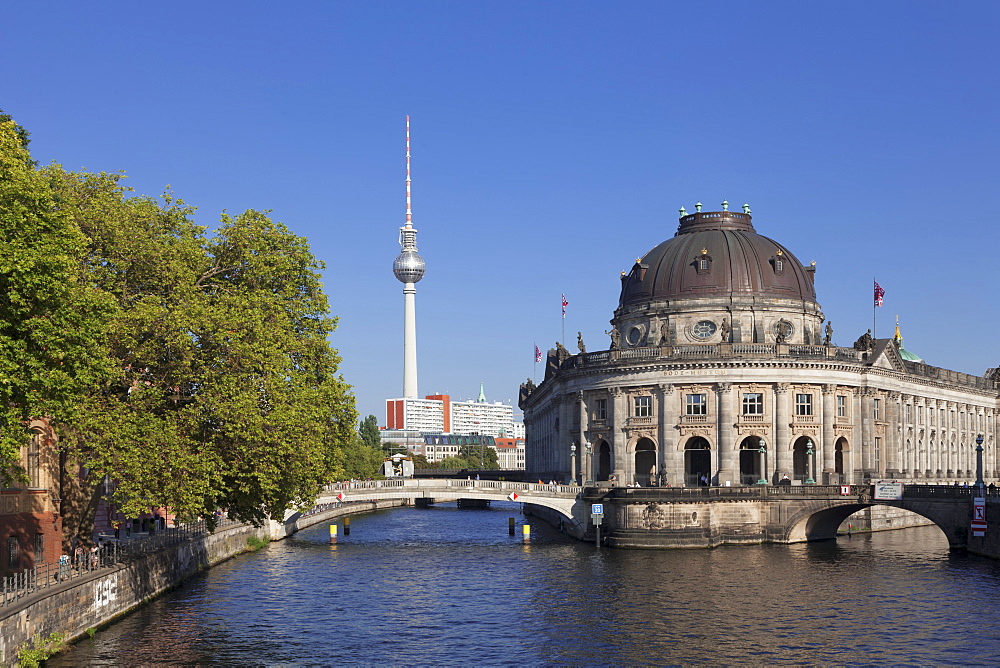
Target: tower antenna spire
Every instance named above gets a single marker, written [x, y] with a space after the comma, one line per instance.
[409, 212]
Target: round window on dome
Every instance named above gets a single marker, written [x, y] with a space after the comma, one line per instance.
[783, 331]
[704, 329]
[635, 334]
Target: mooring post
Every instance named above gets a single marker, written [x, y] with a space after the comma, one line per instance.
[333, 534]
[347, 526]
[526, 533]
[510, 526]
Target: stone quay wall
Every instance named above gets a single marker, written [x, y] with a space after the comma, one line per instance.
[988, 545]
[76, 606]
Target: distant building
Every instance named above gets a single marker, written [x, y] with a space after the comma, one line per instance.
[439, 413]
[510, 453]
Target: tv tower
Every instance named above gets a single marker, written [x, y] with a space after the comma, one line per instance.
[409, 268]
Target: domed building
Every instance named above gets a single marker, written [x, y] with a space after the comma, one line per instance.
[720, 371]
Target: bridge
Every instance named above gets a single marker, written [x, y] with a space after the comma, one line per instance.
[687, 516]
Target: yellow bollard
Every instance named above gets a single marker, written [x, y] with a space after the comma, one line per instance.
[347, 526]
[333, 534]
[526, 533]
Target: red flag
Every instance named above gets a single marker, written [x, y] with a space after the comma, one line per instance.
[564, 305]
[538, 354]
[879, 294]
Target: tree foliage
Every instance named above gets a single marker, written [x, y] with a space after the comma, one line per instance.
[192, 369]
[479, 456]
[52, 323]
[369, 432]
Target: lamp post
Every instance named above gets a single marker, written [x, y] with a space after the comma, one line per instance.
[763, 463]
[572, 464]
[810, 462]
[979, 465]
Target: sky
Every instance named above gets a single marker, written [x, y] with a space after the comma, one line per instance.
[552, 144]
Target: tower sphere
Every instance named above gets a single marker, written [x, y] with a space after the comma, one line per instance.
[408, 267]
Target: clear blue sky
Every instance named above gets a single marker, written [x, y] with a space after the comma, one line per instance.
[553, 143]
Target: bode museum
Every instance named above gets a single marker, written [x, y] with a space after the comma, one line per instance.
[720, 371]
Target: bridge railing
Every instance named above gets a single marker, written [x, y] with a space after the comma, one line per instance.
[736, 493]
[452, 483]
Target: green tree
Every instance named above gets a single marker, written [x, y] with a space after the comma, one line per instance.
[456, 463]
[225, 391]
[52, 325]
[420, 462]
[369, 432]
[480, 456]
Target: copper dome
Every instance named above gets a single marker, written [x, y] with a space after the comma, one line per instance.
[717, 254]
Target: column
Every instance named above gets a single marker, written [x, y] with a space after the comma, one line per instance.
[619, 413]
[564, 436]
[856, 415]
[865, 419]
[780, 446]
[892, 435]
[829, 418]
[726, 447]
[666, 436]
[584, 469]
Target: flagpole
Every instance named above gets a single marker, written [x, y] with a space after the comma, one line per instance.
[874, 313]
[563, 303]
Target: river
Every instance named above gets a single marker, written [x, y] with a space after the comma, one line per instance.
[443, 586]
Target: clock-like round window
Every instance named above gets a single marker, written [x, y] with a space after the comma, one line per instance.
[783, 330]
[635, 334]
[704, 329]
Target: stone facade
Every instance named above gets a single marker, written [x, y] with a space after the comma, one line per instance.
[719, 367]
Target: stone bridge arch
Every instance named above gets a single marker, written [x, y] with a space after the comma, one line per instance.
[818, 519]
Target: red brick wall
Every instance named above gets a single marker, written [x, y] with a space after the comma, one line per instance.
[25, 526]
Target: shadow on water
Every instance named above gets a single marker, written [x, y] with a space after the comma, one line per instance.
[449, 587]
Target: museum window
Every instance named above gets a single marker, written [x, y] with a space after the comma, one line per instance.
[909, 415]
[39, 555]
[696, 405]
[703, 262]
[601, 410]
[841, 406]
[803, 404]
[878, 450]
[920, 414]
[643, 406]
[34, 453]
[753, 403]
[13, 552]
[877, 409]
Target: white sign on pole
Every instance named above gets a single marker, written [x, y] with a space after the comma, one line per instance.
[979, 516]
[888, 491]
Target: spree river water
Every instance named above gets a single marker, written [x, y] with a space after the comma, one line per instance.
[443, 586]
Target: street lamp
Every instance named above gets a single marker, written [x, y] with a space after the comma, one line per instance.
[763, 463]
[979, 465]
[810, 462]
[572, 464]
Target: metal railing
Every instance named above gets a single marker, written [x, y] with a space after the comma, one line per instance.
[108, 554]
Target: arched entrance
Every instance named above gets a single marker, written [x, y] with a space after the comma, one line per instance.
[645, 461]
[840, 459]
[697, 461]
[802, 462]
[603, 460]
[750, 461]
